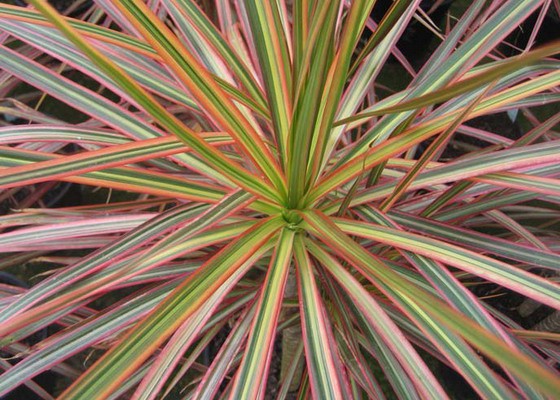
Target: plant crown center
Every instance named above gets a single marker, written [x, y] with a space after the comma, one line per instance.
[291, 217]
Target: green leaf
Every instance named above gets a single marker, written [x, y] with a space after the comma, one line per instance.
[94, 160]
[464, 86]
[118, 363]
[326, 374]
[479, 242]
[162, 115]
[391, 337]
[471, 50]
[499, 272]
[421, 301]
[274, 61]
[209, 95]
[250, 379]
[88, 333]
[196, 24]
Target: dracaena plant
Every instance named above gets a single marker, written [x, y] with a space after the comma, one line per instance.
[280, 191]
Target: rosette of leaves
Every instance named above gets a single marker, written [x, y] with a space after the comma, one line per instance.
[278, 186]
